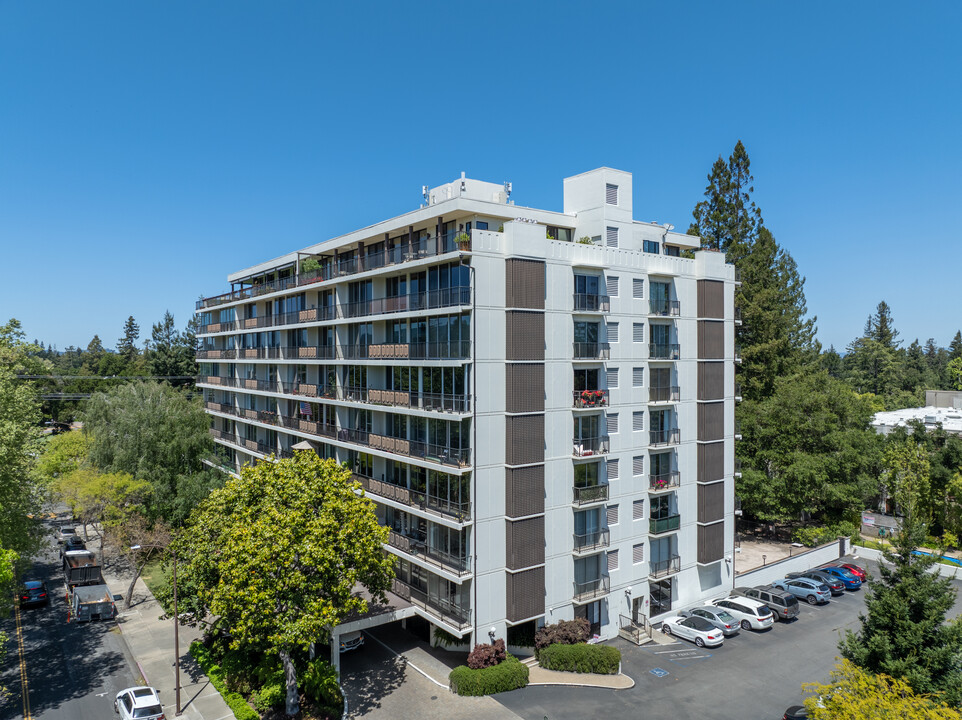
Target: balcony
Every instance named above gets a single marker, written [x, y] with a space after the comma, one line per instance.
[591, 589]
[588, 446]
[738, 392]
[738, 316]
[589, 495]
[663, 568]
[738, 468]
[671, 436]
[440, 607]
[738, 354]
[589, 398]
[591, 303]
[668, 394]
[420, 549]
[664, 308]
[435, 402]
[590, 541]
[664, 481]
[663, 351]
[391, 351]
[666, 524]
[591, 351]
[415, 499]
[442, 454]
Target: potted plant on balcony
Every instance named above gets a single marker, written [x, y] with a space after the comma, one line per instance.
[463, 241]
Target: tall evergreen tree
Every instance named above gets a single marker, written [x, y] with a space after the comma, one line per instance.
[880, 327]
[955, 347]
[164, 342]
[127, 345]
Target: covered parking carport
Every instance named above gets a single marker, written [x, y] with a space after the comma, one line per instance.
[396, 608]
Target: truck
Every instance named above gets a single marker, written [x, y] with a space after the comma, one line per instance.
[91, 602]
[80, 567]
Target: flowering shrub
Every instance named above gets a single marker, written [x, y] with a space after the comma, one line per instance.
[566, 632]
[485, 655]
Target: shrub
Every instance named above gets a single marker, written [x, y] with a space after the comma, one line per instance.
[565, 632]
[270, 696]
[445, 638]
[309, 265]
[485, 655]
[237, 704]
[521, 635]
[581, 658]
[319, 682]
[508, 675]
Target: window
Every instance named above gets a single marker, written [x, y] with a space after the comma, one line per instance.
[638, 332]
[650, 246]
[612, 466]
[638, 377]
[612, 282]
[586, 284]
[638, 465]
[638, 510]
[481, 225]
[611, 235]
[612, 376]
[638, 553]
[612, 423]
[638, 420]
[613, 332]
[637, 288]
[612, 560]
[612, 512]
[611, 194]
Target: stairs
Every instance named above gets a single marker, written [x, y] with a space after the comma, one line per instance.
[638, 633]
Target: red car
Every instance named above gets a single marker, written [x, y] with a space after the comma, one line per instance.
[856, 571]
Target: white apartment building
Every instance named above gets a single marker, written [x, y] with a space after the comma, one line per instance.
[541, 404]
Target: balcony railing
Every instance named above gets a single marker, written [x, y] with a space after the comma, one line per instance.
[664, 394]
[738, 392]
[252, 445]
[591, 589]
[738, 354]
[659, 525]
[664, 481]
[419, 548]
[415, 499]
[443, 608]
[587, 446]
[663, 351]
[591, 303]
[444, 402]
[591, 351]
[738, 468]
[671, 436]
[589, 398]
[590, 494]
[663, 568]
[392, 351]
[443, 454]
[593, 540]
[738, 316]
[664, 308]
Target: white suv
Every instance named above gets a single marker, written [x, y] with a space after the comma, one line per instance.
[139, 703]
[752, 614]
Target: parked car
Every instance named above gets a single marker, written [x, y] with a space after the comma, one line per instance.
[752, 614]
[783, 604]
[33, 592]
[856, 571]
[796, 712]
[721, 619]
[696, 629]
[834, 584]
[72, 542]
[851, 581]
[813, 591]
[351, 641]
[65, 531]
[138, 703]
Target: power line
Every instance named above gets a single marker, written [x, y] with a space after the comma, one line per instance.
[106, 377]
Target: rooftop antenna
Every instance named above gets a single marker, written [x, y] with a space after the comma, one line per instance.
[426, 193]
[507, 189]
[463, 187]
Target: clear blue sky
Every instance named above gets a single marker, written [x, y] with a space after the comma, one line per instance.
[147, 149]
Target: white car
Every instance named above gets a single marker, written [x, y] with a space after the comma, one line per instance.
[752, 614]
[138, 703]
[694, 628]
[351, 641]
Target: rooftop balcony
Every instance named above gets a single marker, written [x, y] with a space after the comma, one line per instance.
[590, 541]
[589, 398]
[414, 499]
[591, 303]
[664, 351]
[664, 568]
[419, 548]
[665, 524]
[589, 495]
[588, 446]
[591, 589]
[668, 394]
[591, 351]
[671, 436]
[664, 481]
[440, 607]
[664, 308]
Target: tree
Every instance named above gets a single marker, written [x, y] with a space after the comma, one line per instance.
[154, 433]
[279, 554]
[955, 347]
[855, 694]
[955, 372]
[881, 328]
[62, 455]
[904, 632]
[127, 345]
[163, 347]
[8, 561]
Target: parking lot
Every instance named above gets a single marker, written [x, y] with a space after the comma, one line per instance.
[753, 676]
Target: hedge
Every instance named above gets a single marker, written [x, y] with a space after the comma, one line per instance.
[235, 701]
[508, 675]
[582, 658]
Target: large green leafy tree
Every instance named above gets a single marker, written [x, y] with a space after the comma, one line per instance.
[904, 632]
[280, 553]
[155, 433]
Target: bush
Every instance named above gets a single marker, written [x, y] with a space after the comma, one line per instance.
[270, 696]
[237, 704]
[319, 682]
[443, 637]
[508, 675]
[564, 632]
[581, 658]
[485, 655]
[813, 536]
[522, 635]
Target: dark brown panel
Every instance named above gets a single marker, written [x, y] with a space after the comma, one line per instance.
[524, 491]
[524, 388]
[524, 543]
[711, 340]
[524, 335]
[711, 299]
[711, 380]
[711, 421]
[711, 462]
[524, 284]
[711, 542]
[711, 502]
[525, 594]
[524, 439]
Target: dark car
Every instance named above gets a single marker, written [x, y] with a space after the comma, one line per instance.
[33, 592]
[851, 581]
[834, 584]
[796, 712]
[72, 542]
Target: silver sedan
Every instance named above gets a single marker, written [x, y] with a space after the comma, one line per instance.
[721, 619]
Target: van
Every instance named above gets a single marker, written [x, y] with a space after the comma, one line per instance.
[783, 604]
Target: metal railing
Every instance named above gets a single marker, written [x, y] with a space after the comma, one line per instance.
[591, 303]
[593, 540]
[590, 494]
[591, 351]
[420, 548]
[587, 446]
[671, 436]
[661, 568]
[415, 498]
[671, 393]
[589, 398]
[591, 589]
[668, 523]
[441, 607]
[664, 308]
[664, 351]
[664, 481]
[633, 630]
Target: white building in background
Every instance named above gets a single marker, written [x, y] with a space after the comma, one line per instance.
[540, 403]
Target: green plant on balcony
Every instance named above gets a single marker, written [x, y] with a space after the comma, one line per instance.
[310, 265]
[463, 241]
[585, 241]
[591, 398]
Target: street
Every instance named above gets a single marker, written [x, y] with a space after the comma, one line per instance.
[69, 671]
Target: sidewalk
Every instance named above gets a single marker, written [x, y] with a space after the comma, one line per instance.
[151, 642]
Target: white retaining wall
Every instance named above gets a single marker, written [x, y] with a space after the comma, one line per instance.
[938, 568]
[797, 563]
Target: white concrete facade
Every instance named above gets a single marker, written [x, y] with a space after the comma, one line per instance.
[395, 355]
